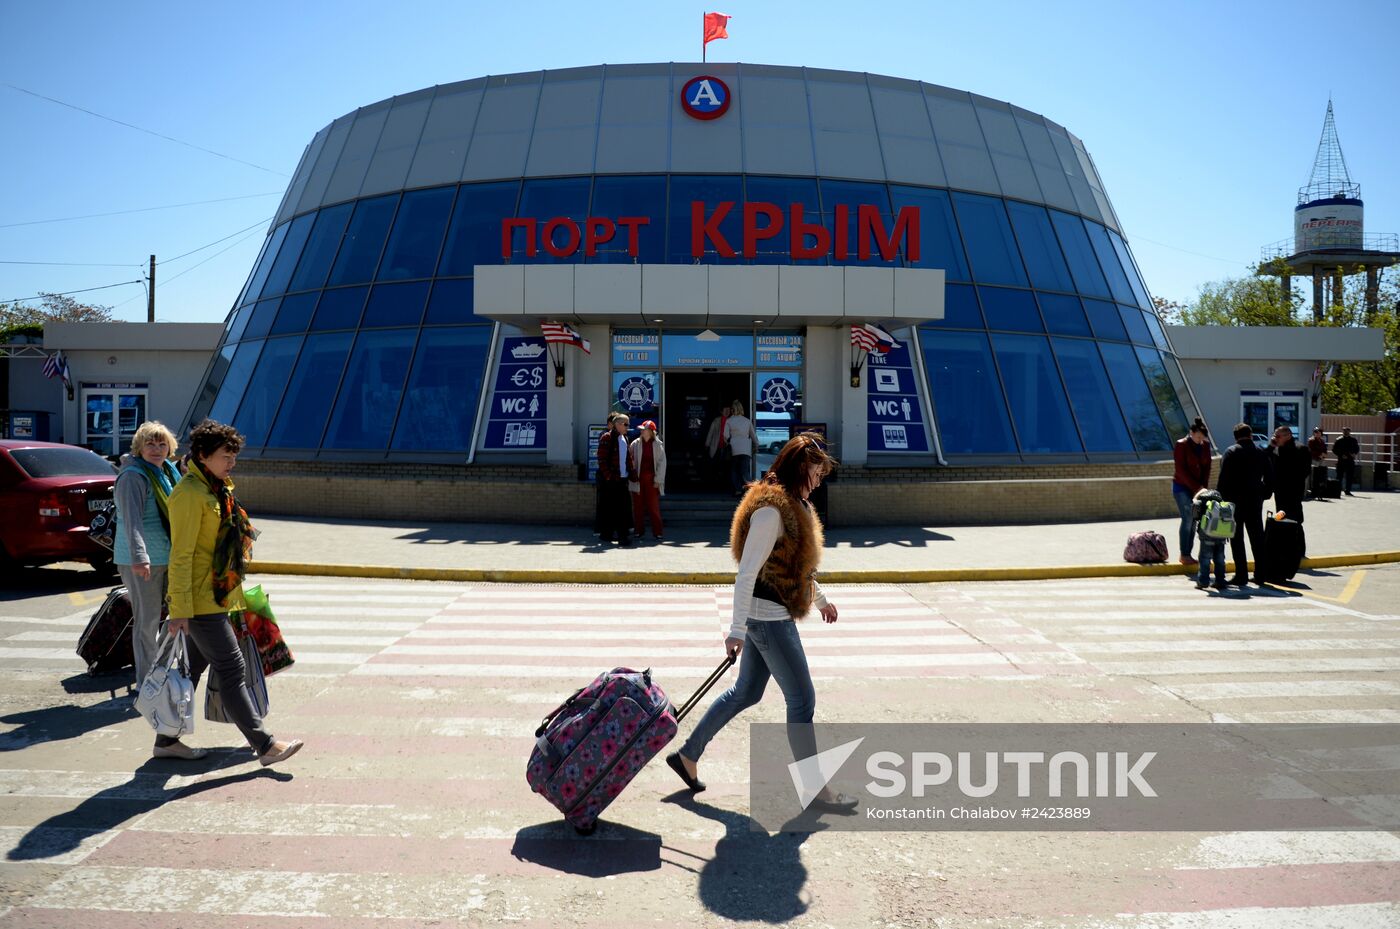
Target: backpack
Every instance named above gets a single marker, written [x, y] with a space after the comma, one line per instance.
[1217, 520]
[1145, 548]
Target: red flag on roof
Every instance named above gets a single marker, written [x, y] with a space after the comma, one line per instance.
[715, 27]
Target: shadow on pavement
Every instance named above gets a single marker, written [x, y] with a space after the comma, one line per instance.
[69, 577]
[124, 679]
[612, 850]
[753, 876]
[59, 723]
[874, 537]
[109, 808]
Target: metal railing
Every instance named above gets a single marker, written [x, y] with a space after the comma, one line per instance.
[1371, 242]
[1376, 448]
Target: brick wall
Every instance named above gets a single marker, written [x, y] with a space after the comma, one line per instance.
[546, 494]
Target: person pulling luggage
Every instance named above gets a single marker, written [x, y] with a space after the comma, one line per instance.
[776, 538]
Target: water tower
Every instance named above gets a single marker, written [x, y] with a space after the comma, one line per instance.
[1329, 234]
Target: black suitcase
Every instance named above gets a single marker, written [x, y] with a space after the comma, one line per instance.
[1283, 550]
[1333, 489]
[106, 642]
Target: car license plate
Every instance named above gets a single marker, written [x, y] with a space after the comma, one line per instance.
[99, 506]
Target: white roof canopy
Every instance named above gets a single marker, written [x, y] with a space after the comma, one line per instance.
[707, 295]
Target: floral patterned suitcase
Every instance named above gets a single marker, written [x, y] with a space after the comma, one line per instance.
[588, 750]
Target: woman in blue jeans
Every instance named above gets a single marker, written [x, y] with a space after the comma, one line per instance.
[777, 541]
[1191, 476]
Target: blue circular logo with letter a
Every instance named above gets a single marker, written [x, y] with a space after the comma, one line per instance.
[705, 97]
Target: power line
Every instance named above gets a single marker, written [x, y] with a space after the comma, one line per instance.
[158, 135]
[167, 281]
[1187, 251]
[71, 264]
[166, 261]
[64, 293]
[147, 209]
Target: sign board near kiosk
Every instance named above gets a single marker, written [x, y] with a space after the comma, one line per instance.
[518, 412]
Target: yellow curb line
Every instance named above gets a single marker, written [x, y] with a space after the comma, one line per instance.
[941, 575]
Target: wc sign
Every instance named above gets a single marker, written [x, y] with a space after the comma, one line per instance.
[705, 97]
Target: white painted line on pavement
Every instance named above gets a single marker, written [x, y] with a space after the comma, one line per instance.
[1236, 645]
[1271, 689]
[1248, 666]
[1320, 716]
[1273, 849]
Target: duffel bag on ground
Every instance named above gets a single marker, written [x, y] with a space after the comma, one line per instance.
[1145, 548]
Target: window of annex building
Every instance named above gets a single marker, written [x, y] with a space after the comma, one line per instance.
[355, 334]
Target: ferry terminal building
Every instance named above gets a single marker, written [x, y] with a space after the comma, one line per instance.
[713, 231]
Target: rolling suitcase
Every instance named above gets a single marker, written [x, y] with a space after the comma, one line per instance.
[106, 642]
[1283, 550]
[591, 747]
[1332, 489]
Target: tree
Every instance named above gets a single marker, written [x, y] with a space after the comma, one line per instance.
[53, 308]
[1245, 301]
[1366, 386]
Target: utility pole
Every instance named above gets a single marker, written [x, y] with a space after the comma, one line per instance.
[151, 293]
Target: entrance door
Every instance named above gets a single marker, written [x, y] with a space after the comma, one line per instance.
[111, 417]
[1266, 410]
[693, 403]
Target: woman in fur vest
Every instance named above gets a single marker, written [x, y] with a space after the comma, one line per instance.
[777, 540]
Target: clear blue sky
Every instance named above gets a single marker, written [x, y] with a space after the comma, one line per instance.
[1202, 117]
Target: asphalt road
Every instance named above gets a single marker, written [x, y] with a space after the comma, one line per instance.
[418, 701]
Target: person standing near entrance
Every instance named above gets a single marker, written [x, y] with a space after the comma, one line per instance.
[1317, 450]
[739, 434]
[1346, 449]
[1291, 466]
[777, 540]
[615, 517]
[1191, 476]
[718, 449]
[1246, 480]
[647, 462]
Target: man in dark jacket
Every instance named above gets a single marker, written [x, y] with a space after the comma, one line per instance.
[1246, 480]
[1291, 466]
[1346, 449]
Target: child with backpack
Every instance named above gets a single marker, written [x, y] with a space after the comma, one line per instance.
[1214, 519]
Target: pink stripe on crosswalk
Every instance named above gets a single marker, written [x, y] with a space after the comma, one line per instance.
[536, 853]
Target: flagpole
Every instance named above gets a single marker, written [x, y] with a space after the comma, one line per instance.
[702, 36]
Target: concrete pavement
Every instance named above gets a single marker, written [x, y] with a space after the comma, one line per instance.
[409, 806]
[1368, 523]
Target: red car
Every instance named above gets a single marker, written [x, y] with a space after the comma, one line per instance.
[47, 492]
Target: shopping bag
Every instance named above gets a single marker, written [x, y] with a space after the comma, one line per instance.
[258, 622]
[214, 709]
[166, 699]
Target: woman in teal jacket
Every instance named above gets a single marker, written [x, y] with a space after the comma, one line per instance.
[141, 545]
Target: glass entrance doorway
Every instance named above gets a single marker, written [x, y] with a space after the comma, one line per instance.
[1266, 410]
[693, 404]
[111, 415]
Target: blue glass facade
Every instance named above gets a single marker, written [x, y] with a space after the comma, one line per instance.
[355, 336]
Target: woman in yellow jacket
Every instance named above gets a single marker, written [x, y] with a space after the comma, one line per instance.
[210, 538]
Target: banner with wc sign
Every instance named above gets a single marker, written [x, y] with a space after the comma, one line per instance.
[895, 415]
[516, 418]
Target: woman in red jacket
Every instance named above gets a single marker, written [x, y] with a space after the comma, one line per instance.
[1192, 454]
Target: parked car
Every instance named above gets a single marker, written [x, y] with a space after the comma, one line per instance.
[47, 492]
[771, 438]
